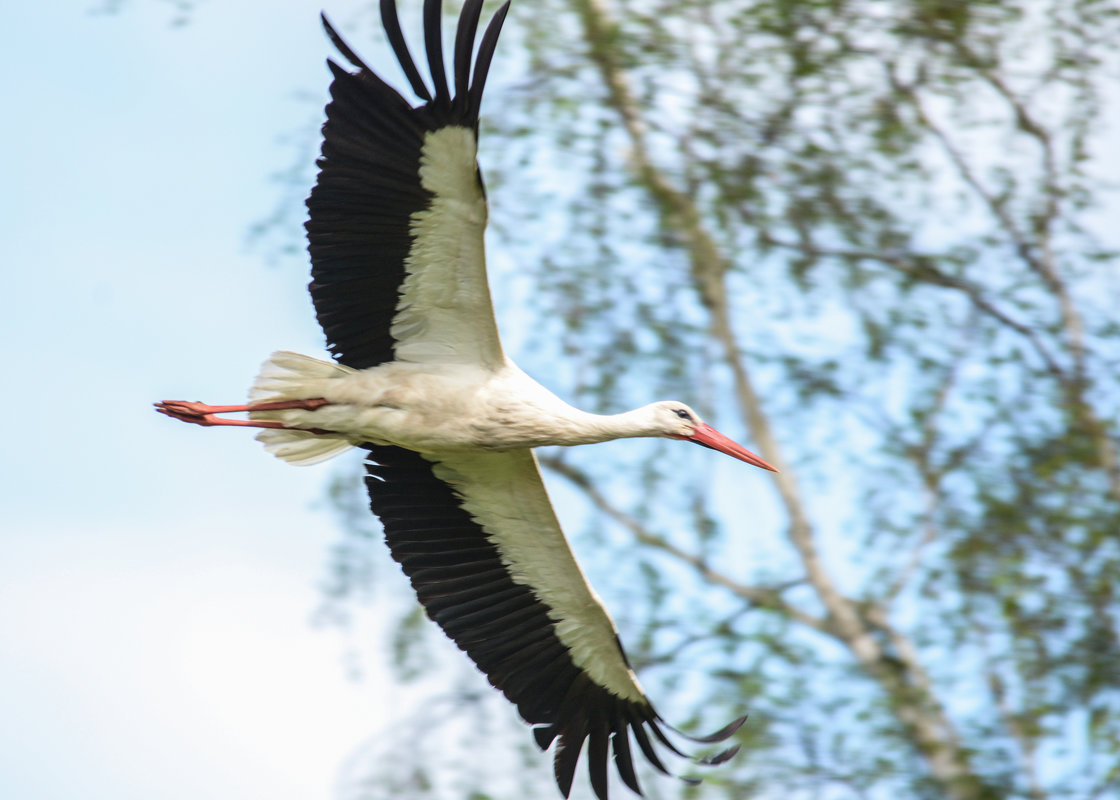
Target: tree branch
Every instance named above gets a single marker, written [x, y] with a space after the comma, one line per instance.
[761, 596]
[1036, 254]
[921, 269]
[917, 708]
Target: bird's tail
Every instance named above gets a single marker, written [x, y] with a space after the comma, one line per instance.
[291, 376]
[302, 448]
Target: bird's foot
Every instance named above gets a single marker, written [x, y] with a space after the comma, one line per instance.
[186, 411]
[207, 415]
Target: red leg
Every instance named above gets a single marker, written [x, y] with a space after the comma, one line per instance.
[202, 414]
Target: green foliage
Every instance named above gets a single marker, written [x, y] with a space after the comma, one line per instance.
[883, 218]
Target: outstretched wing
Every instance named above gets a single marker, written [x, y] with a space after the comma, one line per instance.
[478, 538]
[395, 230]
[398, 212]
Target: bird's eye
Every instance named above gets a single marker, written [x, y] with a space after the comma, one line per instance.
[680, 412]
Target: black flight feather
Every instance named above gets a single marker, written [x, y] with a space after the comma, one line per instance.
[392, 25]
[433, 43]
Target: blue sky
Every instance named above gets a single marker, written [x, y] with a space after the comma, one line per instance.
[157, 580]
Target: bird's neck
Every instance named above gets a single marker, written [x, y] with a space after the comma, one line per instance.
[580, 427]
[538, 417]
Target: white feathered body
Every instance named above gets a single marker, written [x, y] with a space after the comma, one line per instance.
[428, 408]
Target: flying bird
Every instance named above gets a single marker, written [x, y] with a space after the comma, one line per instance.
[419, 381]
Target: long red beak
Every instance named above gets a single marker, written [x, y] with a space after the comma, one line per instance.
[710, 437]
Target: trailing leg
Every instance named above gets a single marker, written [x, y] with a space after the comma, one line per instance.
[203, 414]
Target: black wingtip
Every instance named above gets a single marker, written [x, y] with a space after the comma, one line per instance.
[564, 763]
[602, 735]
[722, 735]
[485, 55]
[623, 758]
[544, 734]
[392, 25]
[464, 49]
[721, 757]
[340, 44]
[598, 758]
[433, 43]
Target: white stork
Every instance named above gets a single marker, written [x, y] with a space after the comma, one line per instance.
[449, 422]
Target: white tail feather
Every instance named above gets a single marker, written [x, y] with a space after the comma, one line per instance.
[292, 376]
[302, 448]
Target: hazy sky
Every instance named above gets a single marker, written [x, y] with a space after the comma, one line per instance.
[157, 580]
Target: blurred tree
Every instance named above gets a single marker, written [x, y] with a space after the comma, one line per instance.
[875, 235]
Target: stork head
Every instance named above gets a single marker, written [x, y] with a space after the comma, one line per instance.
[677, 421]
